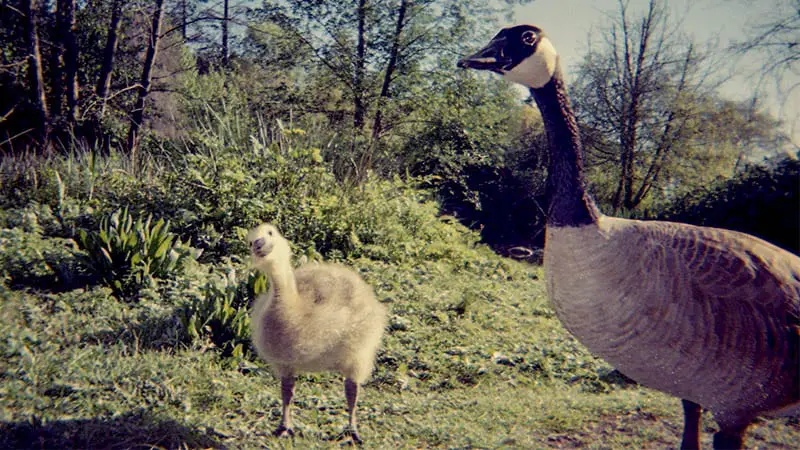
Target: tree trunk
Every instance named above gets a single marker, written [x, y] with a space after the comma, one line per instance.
[104, 81]
[137, 115]
[184, 18]
[638, 88]
[70, 60]
[635, 87]
[377, 126]
[672, 129]
[225, 22]
[57, 75]
[358, 72]
[35, 69]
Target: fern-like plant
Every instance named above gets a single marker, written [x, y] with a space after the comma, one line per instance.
[126, 254]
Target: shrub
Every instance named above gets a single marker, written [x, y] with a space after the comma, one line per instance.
[763, 202]
[221, 314]
[28, 259]
[127, 254]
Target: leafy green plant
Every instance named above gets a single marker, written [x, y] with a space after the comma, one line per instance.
[221, 314]
[127, 254]
[28, 259]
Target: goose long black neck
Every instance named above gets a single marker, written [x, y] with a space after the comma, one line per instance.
[570, 205]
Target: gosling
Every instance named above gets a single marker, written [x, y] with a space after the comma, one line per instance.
[320, 317]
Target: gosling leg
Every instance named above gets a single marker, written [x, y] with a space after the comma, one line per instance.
[287, 392]
[691, 425]
[351, 393]
[730, 438]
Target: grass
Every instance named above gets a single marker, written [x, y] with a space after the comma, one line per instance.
[474, 358]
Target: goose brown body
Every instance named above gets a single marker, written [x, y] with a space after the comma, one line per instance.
[709, 315]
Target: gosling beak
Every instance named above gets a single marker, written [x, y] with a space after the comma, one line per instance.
[488, 58]
[260, 248]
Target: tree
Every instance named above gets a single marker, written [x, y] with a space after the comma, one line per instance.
[775, 39]
[104, 79]
[64, 67]
[225, 24]
[391, 66]
[35, 71]
[381, 54]
[137, 115]
[638, 92]
[218, 28]
[67, 33]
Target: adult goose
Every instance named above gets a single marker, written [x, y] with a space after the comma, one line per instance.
[708, 315]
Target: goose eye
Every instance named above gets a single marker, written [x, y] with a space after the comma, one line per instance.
[269, 233]
[528, 37]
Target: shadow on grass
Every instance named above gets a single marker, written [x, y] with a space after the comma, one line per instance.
[153, 333]
[136, 429]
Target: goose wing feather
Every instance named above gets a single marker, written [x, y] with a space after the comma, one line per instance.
[705, 314]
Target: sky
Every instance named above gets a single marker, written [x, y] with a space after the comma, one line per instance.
[568, 23]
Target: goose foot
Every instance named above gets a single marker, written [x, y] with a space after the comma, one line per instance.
[729, 439]
[282, 431]
[691, 425]
[353, 434]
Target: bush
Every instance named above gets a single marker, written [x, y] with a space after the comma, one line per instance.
[221, 314]
[28, 259]
[763, 202]
[126, 254]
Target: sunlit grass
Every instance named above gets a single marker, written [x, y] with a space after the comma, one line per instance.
[493, 371]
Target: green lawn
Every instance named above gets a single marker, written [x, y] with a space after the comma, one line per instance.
[474, 358]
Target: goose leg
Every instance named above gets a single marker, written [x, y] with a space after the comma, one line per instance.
[287, 392]
[730, 438]
[351, 393]
[691, 425]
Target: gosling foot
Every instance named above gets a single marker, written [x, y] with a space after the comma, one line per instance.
[282, 431]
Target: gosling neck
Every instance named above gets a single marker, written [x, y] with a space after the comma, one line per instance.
[570, 205]
[282, 281]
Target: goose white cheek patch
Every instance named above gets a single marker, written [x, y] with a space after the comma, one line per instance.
[536, 70]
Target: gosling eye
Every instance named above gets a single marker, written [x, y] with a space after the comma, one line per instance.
[269, 233]
[528, 38]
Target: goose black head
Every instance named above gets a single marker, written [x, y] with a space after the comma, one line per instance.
[522, 54]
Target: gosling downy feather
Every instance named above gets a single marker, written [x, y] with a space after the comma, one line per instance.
[320, 317]
[709, 315]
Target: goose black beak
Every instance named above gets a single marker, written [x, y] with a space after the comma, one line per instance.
[488, 58]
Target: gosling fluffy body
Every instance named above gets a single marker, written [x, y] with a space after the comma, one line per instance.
[319, 317]
[334, 324]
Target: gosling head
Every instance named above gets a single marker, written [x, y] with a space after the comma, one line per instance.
[268, 247]
[522, 54]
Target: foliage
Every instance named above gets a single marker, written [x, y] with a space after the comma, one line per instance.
[28, 259]
[763, 202]
[222, 313]
[485, 153]
[468, 330]
[656, 129]
[126, 254]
